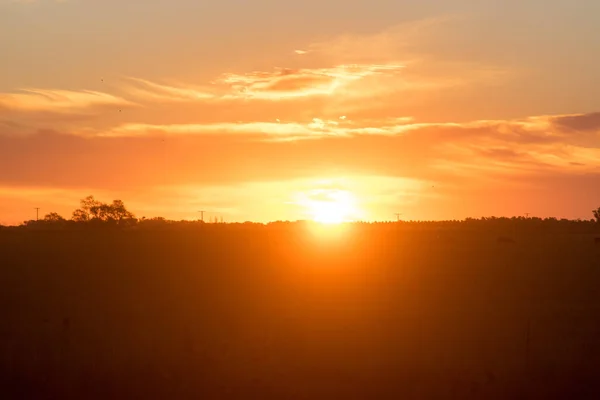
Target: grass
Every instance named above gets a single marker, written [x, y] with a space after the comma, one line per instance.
[253, 312]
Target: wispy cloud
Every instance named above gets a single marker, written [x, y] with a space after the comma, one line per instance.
[397, 63]
[578, 122]
[401, 41]
[343, 68]
[523, 145]
[336, 77]
[526, 146]
[58, 101]
[148, 90]
[278, 84]
[287, 83]
[276, 130]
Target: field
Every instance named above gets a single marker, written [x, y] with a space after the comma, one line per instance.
[294, 312]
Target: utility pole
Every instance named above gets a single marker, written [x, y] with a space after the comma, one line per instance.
[398, 216]
[37, 213]
[201, 215]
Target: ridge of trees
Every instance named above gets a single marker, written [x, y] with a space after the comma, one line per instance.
[92, 212]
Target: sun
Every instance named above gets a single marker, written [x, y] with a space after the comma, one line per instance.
[328, 213]
[331, 206]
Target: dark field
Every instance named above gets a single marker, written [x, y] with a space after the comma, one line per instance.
[257, 312]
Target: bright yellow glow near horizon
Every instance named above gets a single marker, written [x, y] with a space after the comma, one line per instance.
[330, 206]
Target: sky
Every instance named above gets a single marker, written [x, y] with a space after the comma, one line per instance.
[275, 110]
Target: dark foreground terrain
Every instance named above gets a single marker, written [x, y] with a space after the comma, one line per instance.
[281, 312]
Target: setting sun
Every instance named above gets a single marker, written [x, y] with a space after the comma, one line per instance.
[331, 206]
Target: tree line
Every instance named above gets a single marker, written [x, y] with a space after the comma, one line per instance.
[91, 211]
[96, 213]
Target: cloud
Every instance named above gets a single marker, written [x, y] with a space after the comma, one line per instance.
[397, 62]
[143, 153]
[58, 101]
[579, 122]
[526, 146]
[380, 75]
[148, 90]
[523, 146]
[404, 41]
[278, 84]
[317, 128]
[287, 83]
[533, 130]
[28, 110]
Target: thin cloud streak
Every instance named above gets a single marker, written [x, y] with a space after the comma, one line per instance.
[148, 90]
[317, 128]
[279, 84]
[401, 41]
[58, 101]
[538, 129]
[287, 83]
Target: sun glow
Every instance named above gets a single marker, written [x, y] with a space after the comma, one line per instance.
[330, 206]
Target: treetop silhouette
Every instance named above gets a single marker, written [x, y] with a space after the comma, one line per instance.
[92, 209]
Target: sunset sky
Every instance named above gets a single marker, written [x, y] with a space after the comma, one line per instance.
[257, 110]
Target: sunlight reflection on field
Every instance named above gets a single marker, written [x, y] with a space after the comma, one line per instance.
[329, 231]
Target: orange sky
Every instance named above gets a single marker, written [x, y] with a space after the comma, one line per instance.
[436, 113]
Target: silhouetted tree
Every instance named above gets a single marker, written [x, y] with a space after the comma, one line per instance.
[94, 210]
[54, 217]
[87, 211]
[596, 213]
[118, 212]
